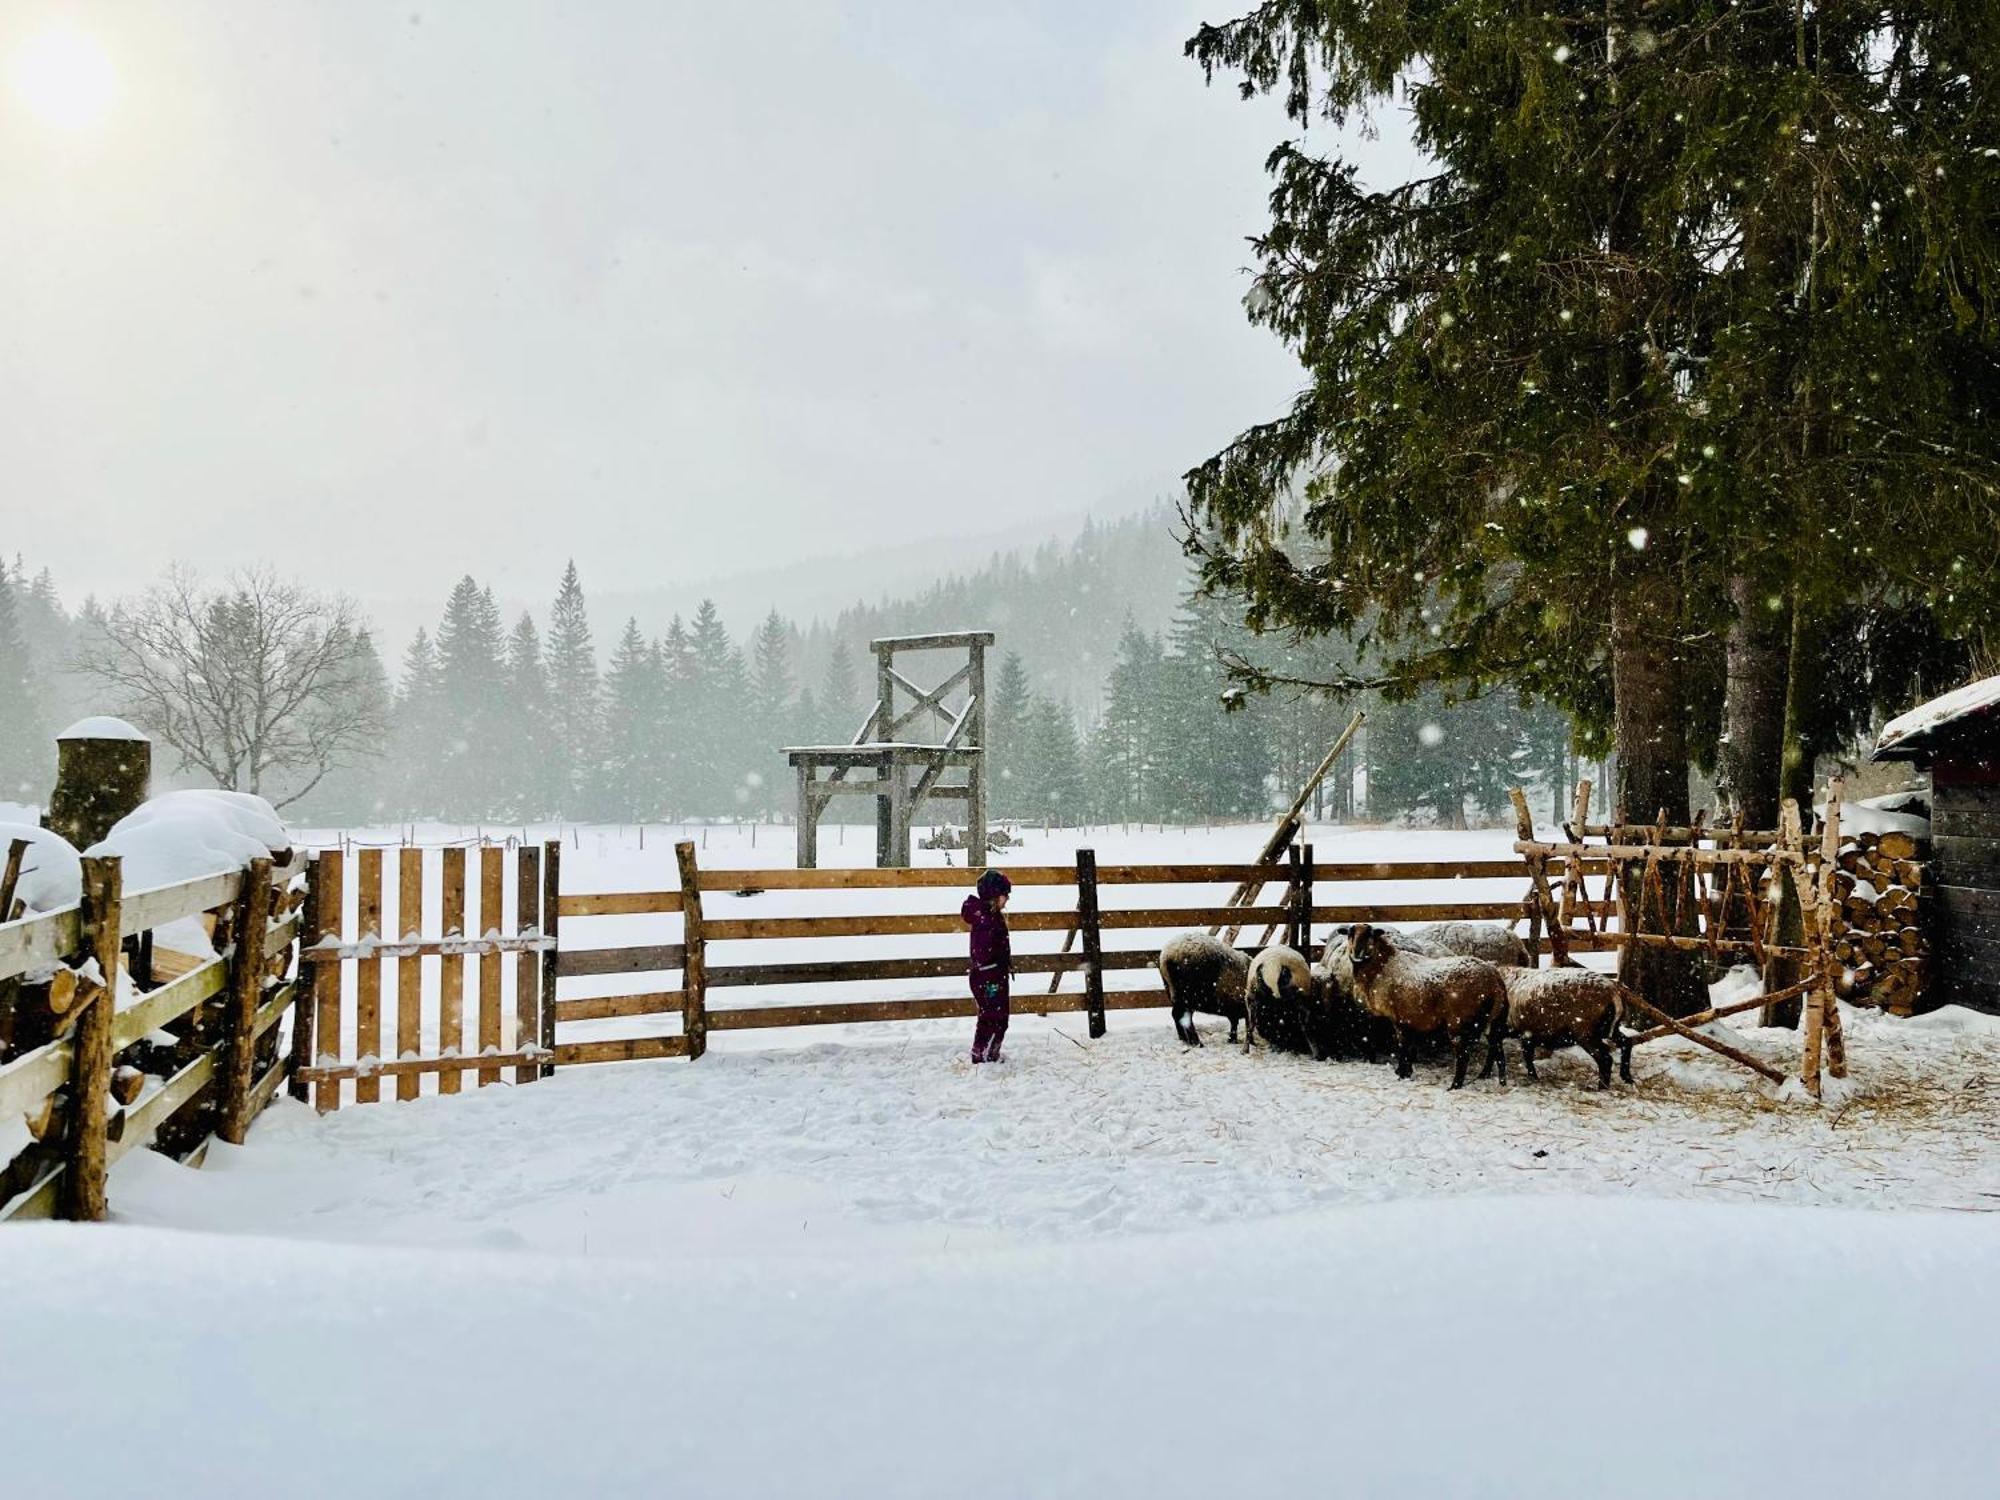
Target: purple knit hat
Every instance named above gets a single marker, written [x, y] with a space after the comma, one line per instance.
[992, 884]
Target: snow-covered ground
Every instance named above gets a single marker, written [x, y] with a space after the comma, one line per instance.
[845, 1262]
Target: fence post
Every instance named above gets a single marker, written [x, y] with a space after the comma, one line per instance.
[305, 1007]
[1306, 883]
[694, 965]
[527, 969]
[1093, 945]
[90, 1069]
[551, 917]
[329, 878]
[246, 988]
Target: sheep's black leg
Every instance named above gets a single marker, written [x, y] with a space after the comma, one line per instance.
[1405, 1047]
[1496, 1054]
[1625, 1057]
[1461, 1057]
[1528, 1058]
[1601, 1054]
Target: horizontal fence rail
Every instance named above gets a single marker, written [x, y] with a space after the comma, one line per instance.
[447, 962]
[662, 953]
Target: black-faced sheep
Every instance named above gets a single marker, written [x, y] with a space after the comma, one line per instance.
[1203, 975]
[1342, 1026]
[1487, 940]
[1458, 998]
[1550, 1008]
[1279, 999]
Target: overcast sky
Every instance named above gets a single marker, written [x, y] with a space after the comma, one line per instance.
[389, 292]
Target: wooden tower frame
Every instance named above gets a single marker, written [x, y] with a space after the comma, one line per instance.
[905, 772]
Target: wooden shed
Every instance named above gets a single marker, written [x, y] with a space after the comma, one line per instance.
[1958, 738]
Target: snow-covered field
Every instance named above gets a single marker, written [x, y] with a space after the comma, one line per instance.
[845, 1262]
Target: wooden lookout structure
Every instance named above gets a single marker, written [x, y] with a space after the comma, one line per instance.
[890, 760]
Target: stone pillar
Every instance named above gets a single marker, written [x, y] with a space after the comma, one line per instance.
[104, 768]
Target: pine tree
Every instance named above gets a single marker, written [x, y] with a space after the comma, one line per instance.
[417, 732]
[634, 698]
[1007, 766]
[839, 697]
[573, 693]
[768, 725]
[716, 759]
[675, 752]
[533, 782]
[1054, 788]
[472, 702]
[25, 732]
[1128, 741]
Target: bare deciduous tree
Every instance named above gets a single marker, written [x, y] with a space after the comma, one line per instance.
[260, 683]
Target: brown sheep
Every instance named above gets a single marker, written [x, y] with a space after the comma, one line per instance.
[1559, 1007]
[1203, 974]
[1459, 998]
[1487, 940]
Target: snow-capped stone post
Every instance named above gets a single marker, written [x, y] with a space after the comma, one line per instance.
[694, 957]
[90, 1068]
[104, 768]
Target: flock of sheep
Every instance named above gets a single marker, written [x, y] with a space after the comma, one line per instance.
[1450, 982]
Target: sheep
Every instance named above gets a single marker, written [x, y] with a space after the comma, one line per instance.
[1487, 940]
[1340, 1024]
[1457, 997]
[1279, 999]
[1203, 974]
[1557, 1007]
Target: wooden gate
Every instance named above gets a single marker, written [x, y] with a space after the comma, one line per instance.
[425, 962]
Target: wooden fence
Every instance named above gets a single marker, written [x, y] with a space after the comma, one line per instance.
[116, 1044]
[683, 955]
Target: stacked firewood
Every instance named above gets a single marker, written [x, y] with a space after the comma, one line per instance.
[1881, 949]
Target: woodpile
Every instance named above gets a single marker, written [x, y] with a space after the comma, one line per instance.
[947, 837]
[1881, 951]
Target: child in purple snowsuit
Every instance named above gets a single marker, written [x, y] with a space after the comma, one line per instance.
[985, 912]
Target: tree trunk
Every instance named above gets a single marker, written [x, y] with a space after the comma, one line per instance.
[1804, 681]
[1754, 705]
[1650, 711]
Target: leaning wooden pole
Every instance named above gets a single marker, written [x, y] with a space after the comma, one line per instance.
[1286, 830]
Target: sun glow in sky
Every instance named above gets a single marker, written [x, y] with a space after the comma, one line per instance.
[64, 78]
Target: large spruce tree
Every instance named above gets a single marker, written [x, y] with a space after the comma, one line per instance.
[1596, 383]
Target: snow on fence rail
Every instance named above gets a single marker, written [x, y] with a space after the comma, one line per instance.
[167, 1050]
[687, 956]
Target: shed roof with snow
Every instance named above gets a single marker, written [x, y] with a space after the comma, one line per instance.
[1966, 720]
